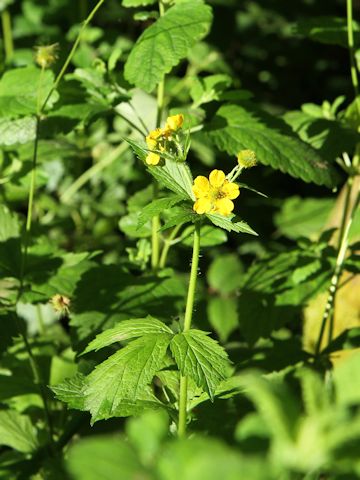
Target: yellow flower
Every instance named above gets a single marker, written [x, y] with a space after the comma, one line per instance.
[214, 195]
[246, 158]
[174, 122]
[152, 158]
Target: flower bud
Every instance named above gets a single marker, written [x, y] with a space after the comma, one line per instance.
[61, 304]
[175, 122]
[247, 158]
[46, 55]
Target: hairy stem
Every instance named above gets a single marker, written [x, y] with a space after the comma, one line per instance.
[347, 219]
[187, 325]
[7, 35]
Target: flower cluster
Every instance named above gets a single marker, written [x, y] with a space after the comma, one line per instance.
[214, 195]
[157, 139]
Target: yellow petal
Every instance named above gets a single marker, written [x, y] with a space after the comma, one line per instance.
[224, 206]
[152, 158]
[155, 134]
[201, 186]
[217, 178]
[151, 143]
[203, 205]
[231, 190]
[175, 122]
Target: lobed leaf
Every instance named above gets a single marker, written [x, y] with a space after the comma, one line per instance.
[227, 224]
[124, 375]
[137, 327]
[201, 358]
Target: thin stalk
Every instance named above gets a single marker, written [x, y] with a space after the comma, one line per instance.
[72, 52]
[348, 213]
[155, 222]
[351, 47]
[187, 325]
[92, 171]
[7, 35]
[167, 244]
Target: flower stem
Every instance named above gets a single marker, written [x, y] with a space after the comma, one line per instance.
[187, 325]
[167, 244]
[347, 219]
[155, 222]
[7, 35]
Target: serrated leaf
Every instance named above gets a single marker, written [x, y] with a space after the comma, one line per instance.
[17, 431]
[166, 42]
[71, 391]
[238, 127]
[227, 224]
[176, 176]
[155, 208]
[201, 358]
[123, 376]
[19, 91]
[19, 131]
[137, 327]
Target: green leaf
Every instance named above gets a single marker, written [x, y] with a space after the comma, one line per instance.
[19, 131]
[104, 458]
[201, 358]
[223, 316]
[17, 431]
[225, 273]
[329, 137]
[155, 208]
[238, 127]
[210, 236]
[347, 380]
[348, 339]
[71, 391]
[123, 376]
[227, 224]
[137, 327]
[176, 176]
[9, 225]
[207, 89]
[19, 91]
[329, 30]
[303, 217]
[166, 42]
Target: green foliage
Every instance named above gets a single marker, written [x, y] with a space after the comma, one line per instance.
[17, 431]
[201, 358]
[166, 42]
[237, 127]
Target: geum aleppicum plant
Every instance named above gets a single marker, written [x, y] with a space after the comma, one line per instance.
[187, 362]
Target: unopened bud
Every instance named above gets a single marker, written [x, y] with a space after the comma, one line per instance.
[61, 304]
[247, 159]
[46, 55]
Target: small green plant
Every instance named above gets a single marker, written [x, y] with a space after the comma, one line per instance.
[160, 316]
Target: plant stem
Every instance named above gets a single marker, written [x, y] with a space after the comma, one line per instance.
[7, 35]
[350, 34]
[155, 222]
[92, 171]
[72, 51]
[348, 216]
[167, 244]
[187, 325]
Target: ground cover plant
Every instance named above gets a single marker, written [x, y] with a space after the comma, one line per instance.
[179, 240]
